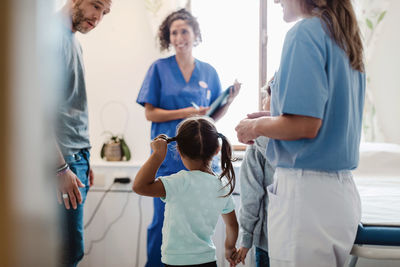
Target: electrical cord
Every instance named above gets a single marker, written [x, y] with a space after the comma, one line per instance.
[92, 242]
[98, 206]
[139, 231]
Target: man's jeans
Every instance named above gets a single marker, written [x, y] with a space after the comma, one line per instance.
[72, 231]
[262, 259]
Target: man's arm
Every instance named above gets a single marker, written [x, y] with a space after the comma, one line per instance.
[68, 183]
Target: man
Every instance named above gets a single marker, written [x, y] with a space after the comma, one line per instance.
[74, 173]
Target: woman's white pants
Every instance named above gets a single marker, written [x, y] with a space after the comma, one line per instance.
[312, 218]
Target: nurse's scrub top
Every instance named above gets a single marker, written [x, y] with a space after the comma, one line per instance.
[165, 87]
[316, 79]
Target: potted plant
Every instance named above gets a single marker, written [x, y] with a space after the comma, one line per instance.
[115, 149]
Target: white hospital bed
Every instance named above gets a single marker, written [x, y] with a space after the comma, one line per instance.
[378, 181]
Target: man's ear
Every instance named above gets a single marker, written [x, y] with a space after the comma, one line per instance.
[75, 2]
[218, 150]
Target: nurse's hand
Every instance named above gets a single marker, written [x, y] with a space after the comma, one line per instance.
[192, 111]
[245, 131]
[258, 114]
[159, 146]
[233, 92]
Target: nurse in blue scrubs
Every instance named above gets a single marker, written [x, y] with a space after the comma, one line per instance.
[168, 92]
[314, 130]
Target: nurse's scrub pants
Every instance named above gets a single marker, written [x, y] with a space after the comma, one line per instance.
[312, 218]
[154, 235]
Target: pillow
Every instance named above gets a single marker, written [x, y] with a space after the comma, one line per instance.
[379, 158]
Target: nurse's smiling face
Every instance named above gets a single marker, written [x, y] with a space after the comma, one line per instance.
[291, 9]
[181, 36]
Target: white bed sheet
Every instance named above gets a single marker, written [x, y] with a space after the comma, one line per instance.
[378, 181]
[380, 199]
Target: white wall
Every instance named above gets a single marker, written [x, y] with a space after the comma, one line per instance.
[117, 55]
[384, 75]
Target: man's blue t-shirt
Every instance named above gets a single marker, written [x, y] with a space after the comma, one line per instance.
[315, 79]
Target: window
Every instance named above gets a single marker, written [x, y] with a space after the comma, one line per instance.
[231, 43]
[277, 29]
[230, 32]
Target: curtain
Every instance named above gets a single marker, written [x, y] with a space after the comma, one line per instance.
[371, 17]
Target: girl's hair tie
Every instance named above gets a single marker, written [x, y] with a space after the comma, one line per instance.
[171, 139]
[220, 135]
[166, 138]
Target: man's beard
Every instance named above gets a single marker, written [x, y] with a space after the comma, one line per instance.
[78, 18]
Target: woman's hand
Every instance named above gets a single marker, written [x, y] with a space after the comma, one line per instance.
[159, 146]
[192, 111]
[258, 114]
[241, 255]
[245, 131]
[233, 92]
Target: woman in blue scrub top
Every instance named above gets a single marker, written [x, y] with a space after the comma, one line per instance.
[314, 129]
[175, 88]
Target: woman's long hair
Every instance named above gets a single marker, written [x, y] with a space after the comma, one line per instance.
[340, 19]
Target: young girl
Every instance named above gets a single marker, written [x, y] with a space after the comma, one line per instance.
[314, 129]
[194, 198]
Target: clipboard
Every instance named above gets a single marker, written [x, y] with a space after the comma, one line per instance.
[219, 102]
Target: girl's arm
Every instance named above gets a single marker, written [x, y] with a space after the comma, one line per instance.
[161, 115]
[231, 226]
[284, 127]
[145, 182]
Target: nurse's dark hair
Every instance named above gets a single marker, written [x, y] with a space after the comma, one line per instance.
[340, 20]
[197, 139]
[181, 14]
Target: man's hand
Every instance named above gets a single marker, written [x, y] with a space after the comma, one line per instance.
[68, 191]
[91, 177]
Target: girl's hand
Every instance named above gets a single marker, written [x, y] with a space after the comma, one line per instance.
[245, 131]
[241, 255]
[230, 255]
[159, 146]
